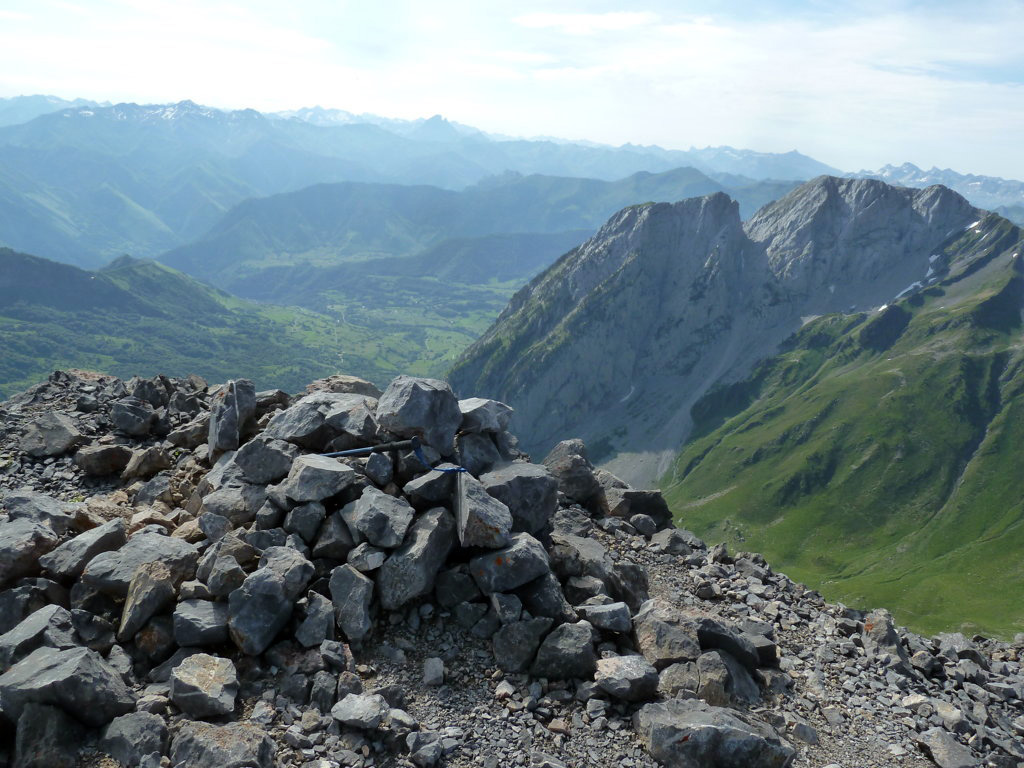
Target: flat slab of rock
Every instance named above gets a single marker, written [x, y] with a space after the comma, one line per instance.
[100, 460]
[482, 520]
[687, 733]
[49, 627]
[410, 571]
[523, 560]
[482, 415]
[204, 686]
[357, 710]
[315, 478]
[152, 589]
[69, 559]
[944, 750]
[663, 636]
[200, 622]
[76, 680]
[22, 543]
[51, 434]
[202, 745]
[112, 571]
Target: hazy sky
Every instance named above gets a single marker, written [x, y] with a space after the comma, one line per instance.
[854, 84]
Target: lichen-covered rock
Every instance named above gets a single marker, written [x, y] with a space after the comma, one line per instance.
[502, 570]
[22, 543]
[204, 686]
[202, 745]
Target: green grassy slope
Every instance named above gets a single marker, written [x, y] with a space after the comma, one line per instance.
[140, 317]
[878, 456]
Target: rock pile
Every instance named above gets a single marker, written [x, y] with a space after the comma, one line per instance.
[217, 592]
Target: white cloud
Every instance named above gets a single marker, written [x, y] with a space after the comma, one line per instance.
[587, 23]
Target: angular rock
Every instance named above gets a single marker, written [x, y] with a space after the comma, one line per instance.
[112, 571]
[508, 608]
[613, 616]
[334, 540]
[236, 745]
[69, 559]
[410, 571]
[316, 478]
[544, 597]
[568, 463]
[239, 503]
[366, 558]
[265, 460]
[22, 543]
[318, 625]
[351, 593]
[482, 415]
[200, 623]
[523, 560]
[674, 541]
[433, 672]
[76, 680]
[630, 678]
[49, 627]
[293, 567]
[301, 424]
[455, 586]
[129, 738]
[305, 520]
[579, 556]
[691, 734]
[379, 469]
[57, 515]
[204, 686]
[944, 750]
[431, 489]
[365, 711]
[425, 407]
[132, 417]
[481, 520]
[151, 589]
[259, 610]
[880, 637]
[232, 412]
[146, 462]
[663, 636]
[568, 652]
[627, 502]
[225, 576]
[378, 518]
[477, 453]
[515, 645]
[47, 737]
[101, 460]
[51, 434]
[676, 679]
[528, 490]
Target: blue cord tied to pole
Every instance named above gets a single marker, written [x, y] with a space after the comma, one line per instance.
[414, 443]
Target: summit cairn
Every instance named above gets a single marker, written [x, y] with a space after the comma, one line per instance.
[251, 601]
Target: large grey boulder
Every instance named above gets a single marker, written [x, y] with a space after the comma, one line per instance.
[49, 627]
[628, 502]
[232, 410]
[305, 520]
[569, 465]
[515, 645]
[431, 488]
[238, 502]
[944, 750]
[502, 570]
[613, 617]
[630, 678]
[334, 539]
[112, 571]
[482, 415]
[579, 556]
[378, 518]
[544, 597]
[568, 652]
[22, 543]
[258, 610]
[687, 733]
[69, 559]
[76, 680]
[294, 569]
[316, 478]
[425, 407]
[481, 520]
[146, 462]
[204, 686]
[129, 738]
[132, 417]
[663, 636]
[200, 622]
[528, 490]
[236, 745]
[410, 571]
[358, 710]
[47, 737]
[25, 503]
[301, 424]
[351, 593]
[351, 418]
[265, 459]
[880, 637]
[51, 434]
[100, 460]
[318, 624]
[152, 589]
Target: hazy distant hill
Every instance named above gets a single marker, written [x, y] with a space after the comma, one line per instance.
[21, 109]
[97, 182]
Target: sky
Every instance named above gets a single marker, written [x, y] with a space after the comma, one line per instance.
[854, 84]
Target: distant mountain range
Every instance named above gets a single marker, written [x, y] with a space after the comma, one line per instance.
[873, 457]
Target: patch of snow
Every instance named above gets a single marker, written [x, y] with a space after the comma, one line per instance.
[930, 272]
[87, 113]
[934, 257]
[908, 289]
[629, 394]
[972, 226]
[882, 308]
[831, 289]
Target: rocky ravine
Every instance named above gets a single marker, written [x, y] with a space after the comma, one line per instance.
[185, 581]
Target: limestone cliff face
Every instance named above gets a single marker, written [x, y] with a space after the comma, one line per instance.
[617, 339]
